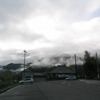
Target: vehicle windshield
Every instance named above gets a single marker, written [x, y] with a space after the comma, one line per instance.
[49, 49]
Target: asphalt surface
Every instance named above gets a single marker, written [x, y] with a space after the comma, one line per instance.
[55, 90]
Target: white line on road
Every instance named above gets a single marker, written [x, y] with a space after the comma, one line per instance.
[63, 82]
[69, 84]
[91, 81]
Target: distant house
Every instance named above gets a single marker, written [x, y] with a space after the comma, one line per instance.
[27, 73]
[38, 77]
[60, 72]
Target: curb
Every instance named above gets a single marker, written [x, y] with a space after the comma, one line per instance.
[5, 89]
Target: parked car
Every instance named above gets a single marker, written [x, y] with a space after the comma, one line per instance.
[26, 80]
[73, 77]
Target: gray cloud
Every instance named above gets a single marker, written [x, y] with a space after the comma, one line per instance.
[9, 33]
[54, 27]
[15, 10]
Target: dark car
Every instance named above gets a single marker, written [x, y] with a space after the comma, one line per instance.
[73, 77]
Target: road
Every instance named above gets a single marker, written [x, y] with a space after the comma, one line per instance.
[54, 90]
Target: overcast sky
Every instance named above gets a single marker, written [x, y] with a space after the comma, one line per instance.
[45, 27]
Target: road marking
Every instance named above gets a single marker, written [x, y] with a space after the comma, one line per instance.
[90, 82]
[69, 84]
[63, 82]
[86, 81]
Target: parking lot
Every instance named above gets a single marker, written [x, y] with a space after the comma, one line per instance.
[54, 90]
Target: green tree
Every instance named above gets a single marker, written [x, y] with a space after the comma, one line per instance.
[90, 69]
[7, 75]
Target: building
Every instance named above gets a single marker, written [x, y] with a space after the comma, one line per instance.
[39, 77]
[27, 73]
[60, 72]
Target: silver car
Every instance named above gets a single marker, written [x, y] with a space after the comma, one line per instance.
[26, 80]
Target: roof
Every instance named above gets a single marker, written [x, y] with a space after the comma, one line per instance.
[28, 70]
[62, 69]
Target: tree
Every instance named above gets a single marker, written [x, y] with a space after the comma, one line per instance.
[90, 69]
[7, 75]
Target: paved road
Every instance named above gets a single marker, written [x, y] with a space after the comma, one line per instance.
[54, 90]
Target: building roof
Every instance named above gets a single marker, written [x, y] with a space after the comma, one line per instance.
[28, 70]
[62, 69]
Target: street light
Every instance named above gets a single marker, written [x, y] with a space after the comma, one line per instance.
[24, 61]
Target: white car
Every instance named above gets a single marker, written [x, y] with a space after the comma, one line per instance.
[26, 80]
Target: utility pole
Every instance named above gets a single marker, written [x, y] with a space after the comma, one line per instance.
[97, 65]
[75, 65]
[24, 61]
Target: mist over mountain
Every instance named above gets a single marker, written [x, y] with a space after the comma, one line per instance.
[12, 66]
[53, 60]
[48, 61]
